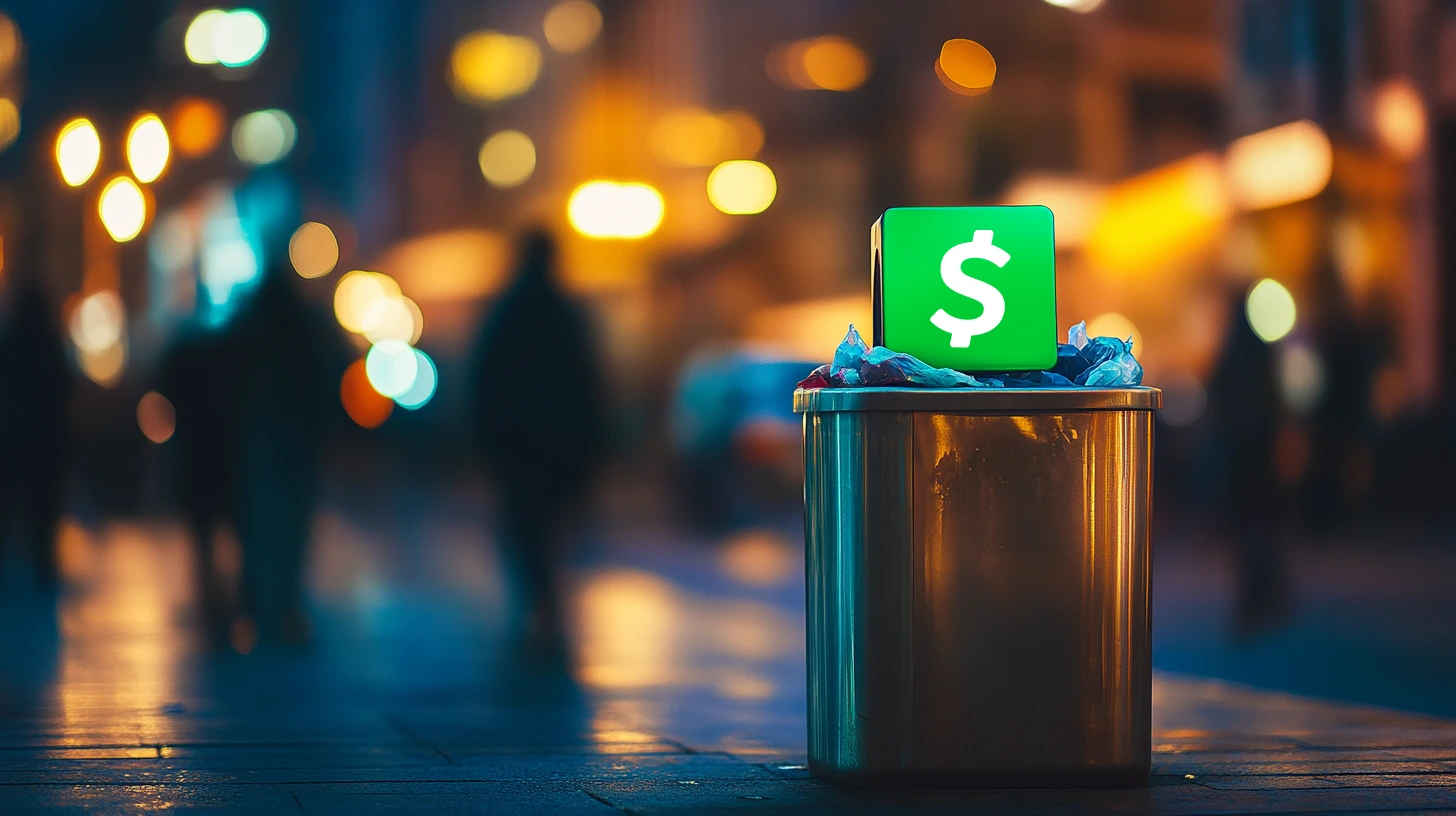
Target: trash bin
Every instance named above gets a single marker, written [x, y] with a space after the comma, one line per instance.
[977, 574]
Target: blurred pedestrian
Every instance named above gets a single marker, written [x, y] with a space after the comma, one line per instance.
[199, 375]
[540, 419]
[287, 386]
[34, 432]
[1243, 399]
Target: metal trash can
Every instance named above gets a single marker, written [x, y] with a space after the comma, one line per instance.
[978, 586]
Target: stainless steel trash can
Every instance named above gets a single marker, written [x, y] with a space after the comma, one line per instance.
[978, 576]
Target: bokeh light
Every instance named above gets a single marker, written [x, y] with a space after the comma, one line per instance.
[9, 123]
[367, 407]
[197, 126]
[78, 151]
[231, 38]
[147, 148]
[835, 64]
[1270, 309]
[424, 385]
[572, 26]
[694, 137]
[1301, 375]
[610, 209]
[1184, 399]
[742, 187]
[392, 367]
[10, 44]
[966, 67]
[97, 321]
[1400, 118]
[489, 66]
[507, 158]
[264, 137]
[1279, 166]
[123, 209]
[1079, 6]
[104, 367]
[761, 558]
[156, 417]
[313, 250]
[393, 317]
[356, 292]
[1114, 324]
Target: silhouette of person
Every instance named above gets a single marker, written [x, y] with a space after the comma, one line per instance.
[34, 432]
[199, 375]
[1243, 400]
[286, 389]
[538, 397]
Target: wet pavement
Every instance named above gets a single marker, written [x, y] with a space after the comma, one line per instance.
[691, 695]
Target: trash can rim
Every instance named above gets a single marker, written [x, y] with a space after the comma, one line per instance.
[977, 400]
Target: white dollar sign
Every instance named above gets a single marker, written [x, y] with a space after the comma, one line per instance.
[962, 330]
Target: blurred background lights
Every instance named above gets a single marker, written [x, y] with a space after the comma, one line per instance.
[966, 67]
[1112, 324]
[104, 367]
[392, 367]
[313, 250]
[264, 137]
[1301, 375]
[78, 151]
[742, 187]
[197, 126]
[156, 417]
[572, 26]
[1079, 6]
[1278, 166]
[610, 209]
[1400, 118]
[1184, 399]
[231, 38]
[489, 66]
[694, 137]
[9, 44]
[147, 148]
[1270, 309]
[97, 322]
[367, 407]
[835, 64]
[123, 208]
[423, 387]
[393, 317]
[507, 158]
[9, 122]
[356, 292]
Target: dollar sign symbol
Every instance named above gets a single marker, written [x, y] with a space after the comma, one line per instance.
[962, 330]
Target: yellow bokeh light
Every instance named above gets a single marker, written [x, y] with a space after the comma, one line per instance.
[9, 44]
[1079, 6]
[394, 317]
[264, 137]
[742, 187]
[692, 137]
[1400, 118]
[9, 123]
[1159, 216]
[572, 26]
[197, 125]
[313, 249]
[98, 322]
[1270, 310]
[610, 209]
[747, 132]
[147, 148]
[835, 64]
[123, 209]
[198, 41]
[507, 158]
[356, 292]
[1279, 166]
[966, 67]
[489, 66]
[104, 367]
[78, 151]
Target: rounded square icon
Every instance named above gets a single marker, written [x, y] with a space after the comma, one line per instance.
[969, 288]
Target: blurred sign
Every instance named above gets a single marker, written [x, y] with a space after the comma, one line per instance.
[969, 288]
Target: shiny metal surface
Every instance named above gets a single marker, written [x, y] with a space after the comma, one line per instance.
[978, 596]
[977, 400]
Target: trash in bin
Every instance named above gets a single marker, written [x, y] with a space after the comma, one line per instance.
[1098, 362]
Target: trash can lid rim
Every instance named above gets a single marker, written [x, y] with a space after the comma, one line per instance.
[977, 400]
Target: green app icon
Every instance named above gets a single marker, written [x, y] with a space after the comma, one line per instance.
[969, 288]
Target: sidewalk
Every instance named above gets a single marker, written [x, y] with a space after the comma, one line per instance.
[691, 700]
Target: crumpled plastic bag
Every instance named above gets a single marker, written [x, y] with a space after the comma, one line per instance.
[1097, 362]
